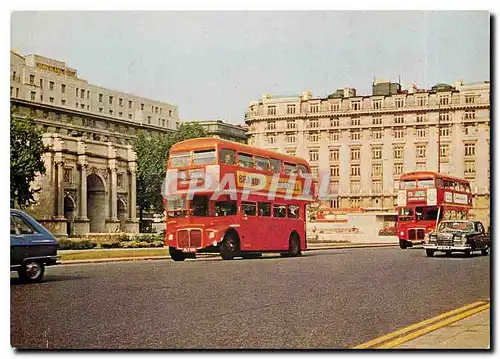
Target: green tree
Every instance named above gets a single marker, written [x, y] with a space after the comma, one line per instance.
[152, 155]
[26, 150]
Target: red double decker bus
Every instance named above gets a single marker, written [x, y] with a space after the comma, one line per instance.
[235, 199]
[424, 198]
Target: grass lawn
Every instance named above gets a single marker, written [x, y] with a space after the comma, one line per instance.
[116, 253]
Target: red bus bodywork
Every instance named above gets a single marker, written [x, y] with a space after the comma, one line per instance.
[259, 224]
[424, 198]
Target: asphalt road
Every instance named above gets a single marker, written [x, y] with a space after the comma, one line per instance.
[324, 299]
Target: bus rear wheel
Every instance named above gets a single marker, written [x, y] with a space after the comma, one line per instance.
[230, 246]
[294, 246]
[176, 254]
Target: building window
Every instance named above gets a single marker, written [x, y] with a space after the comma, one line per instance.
[290, 152]
[398, 152]
[376, 153]
[110, 100]
[377, 120]
[376, 134]
[290, 124]
[335, 203]
[76, 105]
[335, 107]
[399, 102]
[271, 125]
[88, 95]
[376, 170]
[421, 118]
[130, 104]
[355, 135]
[470, 149]
[100, 109]
[120, 114]
[156, 109]
[469, 99]
[470, 168]
[290, 138]
[377, 186]
[17, 92]
[334, 154]
[63, 88]
[398, 168]
[163, 122]
[51, 99]
[11, 91]
[13, 76]
[290, 109]
[355, 170]
[335, 171]
[170, 113]
[314, 108]
[444, 131]
[100, 97]
[469, 129]
[33, 96]
[63, 102]
[129, 116]
[355, 186]
[421, 101]
[313, 137]
[119, 180]
[355, 121]
[421, 151]
[149, 120]
[356, 105]
[82, 93]
[444, 117]
[41, 83]
[68, 175]
[32, 79]
[333, 136]
[377, 104]
[444, 150]
[76, 92]
[271, 110]
[314, 123]
[398, 133]
[354, 201]
[271, 139]
[444, 100]
[398, 119]
[470, 115]
[142, 107]
[334, 122]
[355, 154]
[313, 155]
[421, 132]
[111, 112]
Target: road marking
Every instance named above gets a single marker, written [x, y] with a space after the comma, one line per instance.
[431, 328]
[405, 331]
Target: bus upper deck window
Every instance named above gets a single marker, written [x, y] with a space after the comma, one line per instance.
[205, 157]
[261, 163]
[226, 157]
[180, 159]
[289, 168]
[302, 170]
[245, 160]
[275, 165]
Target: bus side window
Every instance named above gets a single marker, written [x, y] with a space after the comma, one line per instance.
[275, 165]
[279, 211]
[245, 160]
[293, 211]
[289, 168]
[249, 208]
[226, 157]
[302, 170]
[262, 163]
[264, 209]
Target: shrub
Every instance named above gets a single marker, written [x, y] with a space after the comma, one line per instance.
[110, 244]
[76, 244]
[158, 244]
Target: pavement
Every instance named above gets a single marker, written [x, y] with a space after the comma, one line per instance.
[326, 299]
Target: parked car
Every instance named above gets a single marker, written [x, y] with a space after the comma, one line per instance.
[464, 236]
[32, 247]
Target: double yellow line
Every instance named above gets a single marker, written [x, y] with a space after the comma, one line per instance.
[401, 336]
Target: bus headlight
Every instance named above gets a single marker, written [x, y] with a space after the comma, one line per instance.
[211, 235]
[402, 233]
[170, 237]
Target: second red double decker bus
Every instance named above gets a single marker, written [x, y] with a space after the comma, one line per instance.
[256, 201]
[424, 198]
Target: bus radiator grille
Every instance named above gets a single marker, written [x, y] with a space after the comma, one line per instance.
[183, 239]
[195, 238]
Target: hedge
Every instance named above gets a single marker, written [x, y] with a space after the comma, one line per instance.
[122, 240]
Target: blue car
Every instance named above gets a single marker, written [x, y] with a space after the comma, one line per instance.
[32, 247]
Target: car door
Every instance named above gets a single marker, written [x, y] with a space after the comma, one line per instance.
[22, 234]
[481, 238]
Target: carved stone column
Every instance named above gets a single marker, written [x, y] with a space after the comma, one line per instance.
[60, 189]
[133, 194]
[83, 191]
[114, 197]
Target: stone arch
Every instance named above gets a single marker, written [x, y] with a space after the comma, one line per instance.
[96, 203]
[69, 213]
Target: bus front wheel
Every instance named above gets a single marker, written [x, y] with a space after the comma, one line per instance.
[402, 244]
[230, 246]
[176, 254]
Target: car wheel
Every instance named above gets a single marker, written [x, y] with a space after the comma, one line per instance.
[485, 251]
[32, 272]
[429, 252]
[447, 253]
[176, 255]
[230, 247]
[402, 244]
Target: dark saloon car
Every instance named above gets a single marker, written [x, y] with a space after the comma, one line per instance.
[464, 236]
[32, 247]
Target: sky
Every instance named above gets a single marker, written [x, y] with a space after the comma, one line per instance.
[212, 64]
